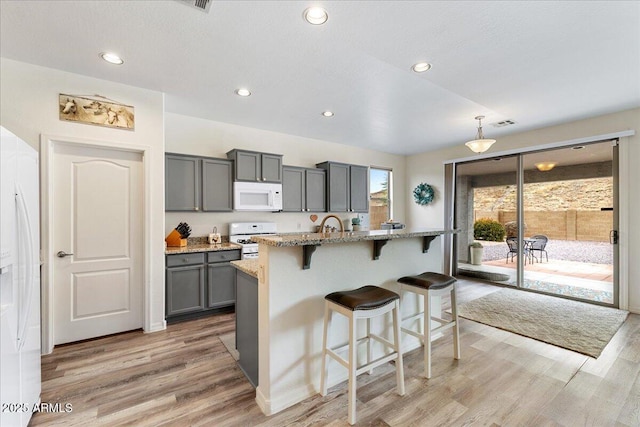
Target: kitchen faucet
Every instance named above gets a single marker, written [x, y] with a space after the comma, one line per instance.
[331, 216]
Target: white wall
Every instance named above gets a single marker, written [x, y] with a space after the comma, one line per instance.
[190, 135]
[29, 108]
[428, 167]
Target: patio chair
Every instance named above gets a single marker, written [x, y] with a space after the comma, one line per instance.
[512, 242]
[539, 244]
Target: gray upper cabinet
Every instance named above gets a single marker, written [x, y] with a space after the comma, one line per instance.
[198, 184]
[217, 178]
[347, 187]
[252, 166]
[315, 190]
[359, 186]
[182, 183]
[293, 191]
[303, 189]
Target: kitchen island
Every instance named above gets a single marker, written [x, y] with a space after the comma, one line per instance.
[296, 271]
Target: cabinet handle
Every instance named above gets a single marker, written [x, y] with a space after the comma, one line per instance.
[196, 209]
[264, 179]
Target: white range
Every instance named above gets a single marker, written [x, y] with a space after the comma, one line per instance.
[241, 233]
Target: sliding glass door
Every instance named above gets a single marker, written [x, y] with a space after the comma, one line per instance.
[486, 213]
[568, 220]
[544, 221]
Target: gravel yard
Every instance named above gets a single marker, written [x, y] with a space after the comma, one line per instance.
[564, 250]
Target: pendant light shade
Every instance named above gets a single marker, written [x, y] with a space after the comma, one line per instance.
[480, 144]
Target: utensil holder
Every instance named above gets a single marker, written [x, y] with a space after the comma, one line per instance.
[174, 239]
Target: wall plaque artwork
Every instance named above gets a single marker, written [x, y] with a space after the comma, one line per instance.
[96, 110]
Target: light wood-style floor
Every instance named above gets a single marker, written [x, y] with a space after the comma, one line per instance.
[185, 377]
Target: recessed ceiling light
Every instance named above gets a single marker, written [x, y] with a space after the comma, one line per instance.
[111, 58]
[243, 92]
[421, 67]
[327, 113]
[315, 15]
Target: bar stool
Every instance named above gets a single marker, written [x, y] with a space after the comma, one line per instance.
[362, 303]
[429, 285]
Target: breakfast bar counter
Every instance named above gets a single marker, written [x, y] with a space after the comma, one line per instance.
[301, 239]
[296, 271]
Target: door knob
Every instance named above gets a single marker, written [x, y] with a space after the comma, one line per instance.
[62, 254]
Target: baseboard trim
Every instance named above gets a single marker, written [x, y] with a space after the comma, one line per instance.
[155, 327]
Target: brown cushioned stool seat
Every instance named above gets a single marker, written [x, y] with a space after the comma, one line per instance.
[430, 284]
[364, 298]
[428, 280]
[365, 303]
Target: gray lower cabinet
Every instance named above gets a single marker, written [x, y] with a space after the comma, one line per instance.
[347, 187]
[185, 284]
[303, 189]
[247, 325]
[197, 283]
[198, 183]
[221, 279]
[253, 166]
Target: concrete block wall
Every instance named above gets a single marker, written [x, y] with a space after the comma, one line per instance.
[559, 225]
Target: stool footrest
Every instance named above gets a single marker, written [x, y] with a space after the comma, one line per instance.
[414, 317]
[441, 321]
[382, 340]
[413, 333]
[344, 346]
[338, 358]
[379, 361]
[443, 327]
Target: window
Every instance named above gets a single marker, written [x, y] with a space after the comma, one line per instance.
[379, 197]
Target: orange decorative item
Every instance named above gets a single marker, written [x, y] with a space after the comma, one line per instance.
[313, 218]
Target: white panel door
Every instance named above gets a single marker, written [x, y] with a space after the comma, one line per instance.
[97, 242]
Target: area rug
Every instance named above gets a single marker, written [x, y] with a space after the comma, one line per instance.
[577, 326]
[574, 291]
[229, 341]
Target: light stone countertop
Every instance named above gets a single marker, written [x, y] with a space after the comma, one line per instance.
[249, 266]
[201, 247]
[302, 239]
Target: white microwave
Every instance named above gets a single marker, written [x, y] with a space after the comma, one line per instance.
[257, 196]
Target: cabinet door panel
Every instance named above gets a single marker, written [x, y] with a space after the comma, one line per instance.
[185, 289]
[359, 185]
[315, 190]
[293, 192]
[271, 168]
[182, 183]
[217, 178]
[248, 166]
[338, 191]
[221, 285]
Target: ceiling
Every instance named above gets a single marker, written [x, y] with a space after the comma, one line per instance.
[536, 63]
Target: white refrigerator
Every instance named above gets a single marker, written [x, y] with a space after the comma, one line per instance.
[19, 280]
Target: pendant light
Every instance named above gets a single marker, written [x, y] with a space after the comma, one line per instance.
[480, 144]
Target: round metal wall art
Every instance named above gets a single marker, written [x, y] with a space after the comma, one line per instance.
[423, 194]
